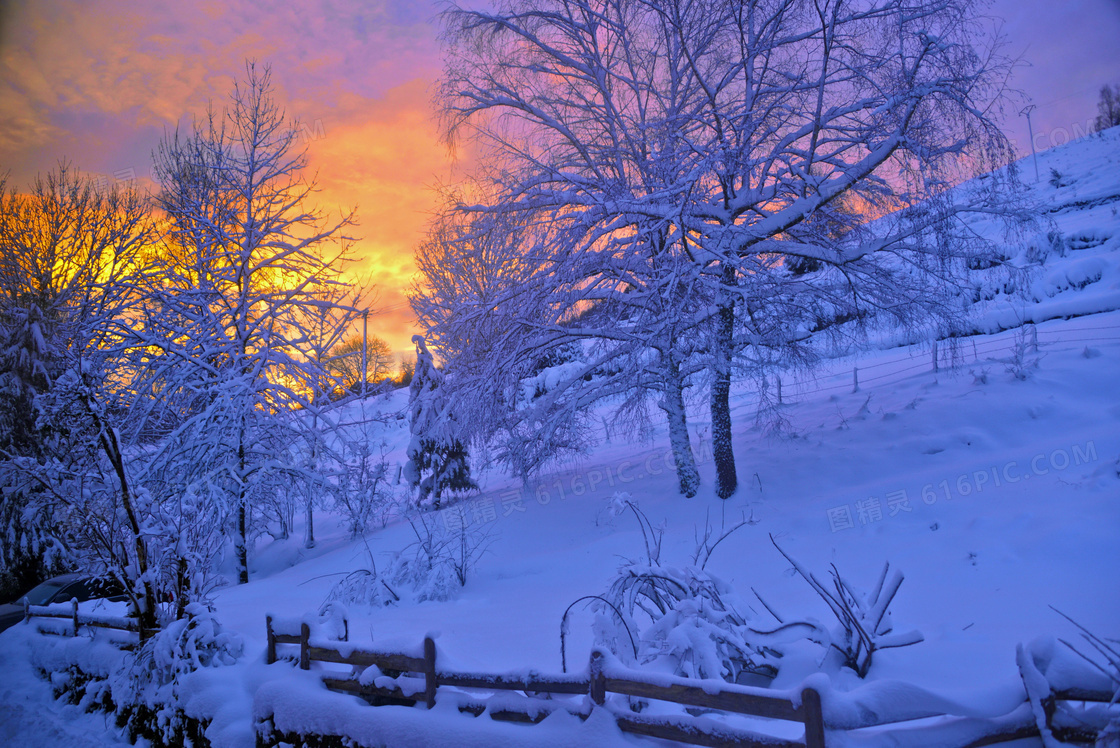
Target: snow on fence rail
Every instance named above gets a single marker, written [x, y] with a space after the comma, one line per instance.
[878, 714]
[604, 676]
[70, 614]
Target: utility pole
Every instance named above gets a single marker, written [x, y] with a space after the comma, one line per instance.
[365, 344]
[1027, 111]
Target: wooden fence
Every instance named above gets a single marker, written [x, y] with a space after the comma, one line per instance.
[597, 683]
[78, 620]
[417, 679]
[413, 678]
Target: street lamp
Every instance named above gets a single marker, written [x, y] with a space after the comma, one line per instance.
[365, 344]
[1027, 111]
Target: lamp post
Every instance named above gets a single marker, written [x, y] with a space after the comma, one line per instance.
[365, 344]
[1027, 111]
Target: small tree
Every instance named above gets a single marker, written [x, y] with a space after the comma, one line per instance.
[404, 375]
[346, 362]
[228, 342]
[326, 322]
[1108, 107]
[437, 458]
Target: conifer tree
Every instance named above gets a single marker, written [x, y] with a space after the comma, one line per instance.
[437, 457]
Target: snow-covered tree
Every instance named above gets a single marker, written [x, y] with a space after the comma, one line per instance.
[1108, 107]
[70, 257]
[437, 456]
[88, 485]
[470, 298]
[226, 341]
[537, 343]
[732, 133]
[69, 251]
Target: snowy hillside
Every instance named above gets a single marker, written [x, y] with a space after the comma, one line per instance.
[1077, 273]
[987, 470]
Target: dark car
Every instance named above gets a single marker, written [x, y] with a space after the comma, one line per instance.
[61, 589]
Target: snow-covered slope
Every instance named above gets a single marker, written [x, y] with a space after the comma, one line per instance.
[1076, 252]
[991, 478]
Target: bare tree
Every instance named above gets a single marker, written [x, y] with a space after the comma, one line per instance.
[346, 362]
[404, 374]
[326, 324]
[228, 339]
[731, 132]
[1108, 107]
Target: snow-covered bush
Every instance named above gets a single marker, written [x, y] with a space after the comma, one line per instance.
[687, 621]
[863, 620]
[188, 644]
[432, 567]
[146, 691]
[683, 619]
[1024, 356]
[402, 576]
[1091, 667]
[695, 627]
[361, 486]
[1043, 245]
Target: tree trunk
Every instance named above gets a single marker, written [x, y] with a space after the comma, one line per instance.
[310, 542]
[722, 451]
[242, 541]
[672, 403]
[182, 586]
[145, 600]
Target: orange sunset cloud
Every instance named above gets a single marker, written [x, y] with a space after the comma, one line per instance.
[385, 161]
[100, 83]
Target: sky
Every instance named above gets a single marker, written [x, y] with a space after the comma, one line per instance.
[99, 82]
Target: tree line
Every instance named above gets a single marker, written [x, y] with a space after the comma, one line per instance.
[169, 361]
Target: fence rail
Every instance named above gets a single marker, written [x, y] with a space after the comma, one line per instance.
[78, 620]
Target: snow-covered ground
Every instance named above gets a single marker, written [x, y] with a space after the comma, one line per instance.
[992, 482]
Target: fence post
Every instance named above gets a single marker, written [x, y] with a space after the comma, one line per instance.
[934, 348]
[855, 379]
[26, 610]
[304, 647]
[598, 689]
[74, 603]
[779, 389]
[814, 720]
[270, 651]
[430, 681]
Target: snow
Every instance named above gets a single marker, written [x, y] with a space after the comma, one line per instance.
[992, 485]
[299, 703]
[30, 717]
